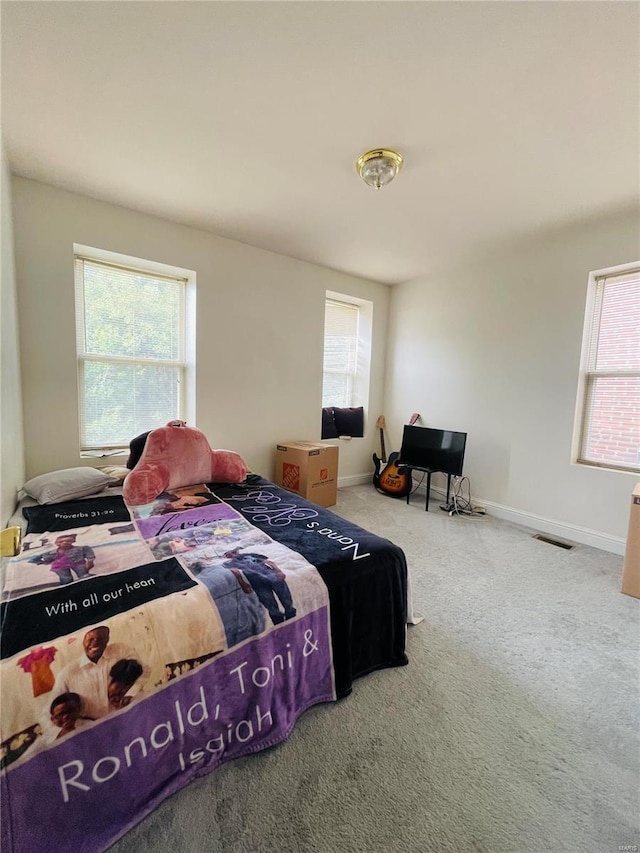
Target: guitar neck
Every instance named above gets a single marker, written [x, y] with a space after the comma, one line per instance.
[383, 452]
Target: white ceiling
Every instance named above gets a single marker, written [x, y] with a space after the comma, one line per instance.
[246, 118]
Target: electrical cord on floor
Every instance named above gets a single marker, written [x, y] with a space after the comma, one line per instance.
[459, 504]
[415, 488]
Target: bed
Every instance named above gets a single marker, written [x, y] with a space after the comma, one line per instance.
[143, 647]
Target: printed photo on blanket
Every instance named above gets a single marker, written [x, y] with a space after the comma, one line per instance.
[184, 497]
[58, 688]
[213, 539]
[255, 584]
[52, 559]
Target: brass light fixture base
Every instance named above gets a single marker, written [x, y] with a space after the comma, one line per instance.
[379, 166]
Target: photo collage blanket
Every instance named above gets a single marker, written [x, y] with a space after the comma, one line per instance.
[141, 648]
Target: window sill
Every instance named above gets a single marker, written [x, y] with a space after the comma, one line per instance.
[103, 454]
[603, 466]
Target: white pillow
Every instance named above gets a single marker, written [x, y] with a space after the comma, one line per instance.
[118, 472]
[67, 484]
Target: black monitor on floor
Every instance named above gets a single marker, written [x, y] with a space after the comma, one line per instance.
[433, 449]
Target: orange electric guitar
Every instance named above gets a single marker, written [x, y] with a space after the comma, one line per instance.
[393, 480]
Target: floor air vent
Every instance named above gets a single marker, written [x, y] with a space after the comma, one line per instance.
[551, 541]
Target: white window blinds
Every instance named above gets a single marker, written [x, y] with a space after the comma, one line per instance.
[340, 353]
[610, 433]
[130, 343]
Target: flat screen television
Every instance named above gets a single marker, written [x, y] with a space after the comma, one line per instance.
[433, 449]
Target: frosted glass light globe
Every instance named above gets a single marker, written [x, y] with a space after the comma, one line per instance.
[378, 167]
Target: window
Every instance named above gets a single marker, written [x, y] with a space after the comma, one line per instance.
[347, 364]
[340, 353]
[608, 413]
[130, 325]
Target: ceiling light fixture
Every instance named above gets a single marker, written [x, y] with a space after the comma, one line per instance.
[378, 167]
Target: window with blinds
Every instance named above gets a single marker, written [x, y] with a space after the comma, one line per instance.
[609, 428]
[340, 353]
[130, 326]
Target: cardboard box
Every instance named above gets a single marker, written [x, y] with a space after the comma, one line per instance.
[631, 569]
[309, 469]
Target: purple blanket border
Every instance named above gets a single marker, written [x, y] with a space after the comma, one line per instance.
[232, 706]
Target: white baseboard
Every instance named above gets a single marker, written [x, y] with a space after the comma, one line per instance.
[570, 532]
[355, 480]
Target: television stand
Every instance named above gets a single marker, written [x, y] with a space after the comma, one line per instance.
[428, 472]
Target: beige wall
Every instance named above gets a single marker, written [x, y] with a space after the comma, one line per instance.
[11, 439]
[492, 348]
[260, 322]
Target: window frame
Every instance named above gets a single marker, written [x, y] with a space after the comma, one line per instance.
[363, 361]
[185, 363]
[350, 376]
[588, 374]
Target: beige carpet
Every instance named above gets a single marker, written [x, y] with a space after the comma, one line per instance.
[514, 729]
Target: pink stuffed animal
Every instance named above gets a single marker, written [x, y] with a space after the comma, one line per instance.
[177, 455]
